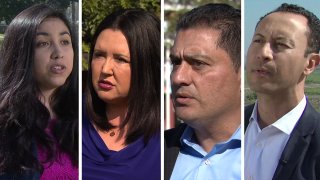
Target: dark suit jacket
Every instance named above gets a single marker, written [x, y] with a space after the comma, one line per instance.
[171, 148]
[300, 158]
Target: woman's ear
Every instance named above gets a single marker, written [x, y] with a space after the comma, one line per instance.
[312, 62]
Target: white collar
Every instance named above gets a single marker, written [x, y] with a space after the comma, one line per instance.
[287, 122]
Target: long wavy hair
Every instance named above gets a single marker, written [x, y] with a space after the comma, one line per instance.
[142, 32]
[23, 118]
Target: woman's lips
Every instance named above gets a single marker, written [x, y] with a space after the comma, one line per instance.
[57, 68]
[105, 85]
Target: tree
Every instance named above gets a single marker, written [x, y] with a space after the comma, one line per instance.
[10, 8]
[94, 11]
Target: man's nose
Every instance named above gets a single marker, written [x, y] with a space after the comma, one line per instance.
[180, 75]
[266, 52]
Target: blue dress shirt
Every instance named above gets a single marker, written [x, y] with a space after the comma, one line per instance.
[222, 162]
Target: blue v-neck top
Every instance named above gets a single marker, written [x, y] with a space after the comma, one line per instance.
[136, 161]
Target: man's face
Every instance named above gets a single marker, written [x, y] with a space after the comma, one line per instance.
[276, 61]
[205, 84]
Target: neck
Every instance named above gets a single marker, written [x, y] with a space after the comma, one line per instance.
[116, 113]
[44, 97]
[218, 130]
[115, 138]
[272, 107]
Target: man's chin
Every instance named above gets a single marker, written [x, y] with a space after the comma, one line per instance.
[185, 114]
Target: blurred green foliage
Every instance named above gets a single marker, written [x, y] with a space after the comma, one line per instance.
[94, 11]
[10, 8]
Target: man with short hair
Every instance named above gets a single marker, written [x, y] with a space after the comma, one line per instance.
[206, 76]
[282, 139]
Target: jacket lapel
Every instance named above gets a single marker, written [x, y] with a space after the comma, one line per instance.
[297, 144]
[171, 148]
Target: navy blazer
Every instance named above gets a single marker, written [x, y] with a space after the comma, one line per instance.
[300, 158]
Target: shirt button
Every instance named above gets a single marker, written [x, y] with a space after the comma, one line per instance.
[259, 144]
[207, 162]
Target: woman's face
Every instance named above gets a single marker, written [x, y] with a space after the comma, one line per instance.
[53, 60]
[111, 72]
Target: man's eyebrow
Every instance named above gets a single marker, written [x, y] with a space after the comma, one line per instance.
[258, 34]
[196, 57]
[173, 56]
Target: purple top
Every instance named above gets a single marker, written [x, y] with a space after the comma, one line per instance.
[136, 161]
[62, 167]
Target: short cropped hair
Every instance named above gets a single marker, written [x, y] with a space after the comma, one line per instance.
[220, 17]
[313, 36]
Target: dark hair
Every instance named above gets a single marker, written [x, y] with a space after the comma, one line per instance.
[142, 32]
[23, 118]
[313, 36]
[220, 17]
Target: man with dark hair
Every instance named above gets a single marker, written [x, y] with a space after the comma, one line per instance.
[282, 139]
[206, 76]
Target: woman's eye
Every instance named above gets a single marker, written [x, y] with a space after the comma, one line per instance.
[121, 60]
[97, 55]
[65, 42]
[42, 44]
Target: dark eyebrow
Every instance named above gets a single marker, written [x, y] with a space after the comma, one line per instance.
[196, 57]
[42, 33]
[258, 34]
[47, 34]
[99, 51]
[65, 32]
[172, 56]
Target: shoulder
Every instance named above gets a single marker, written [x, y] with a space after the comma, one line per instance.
[172, 136]
[247, 114]
[309, 121]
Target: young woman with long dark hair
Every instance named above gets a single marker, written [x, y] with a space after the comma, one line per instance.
[39, 97]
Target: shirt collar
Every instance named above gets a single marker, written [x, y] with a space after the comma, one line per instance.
[188, 140]
[188, 134]
[287, 122]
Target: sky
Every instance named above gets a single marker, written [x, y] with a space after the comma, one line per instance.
[254, 9]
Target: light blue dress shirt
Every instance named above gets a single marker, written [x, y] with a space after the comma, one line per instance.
[221, 163]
